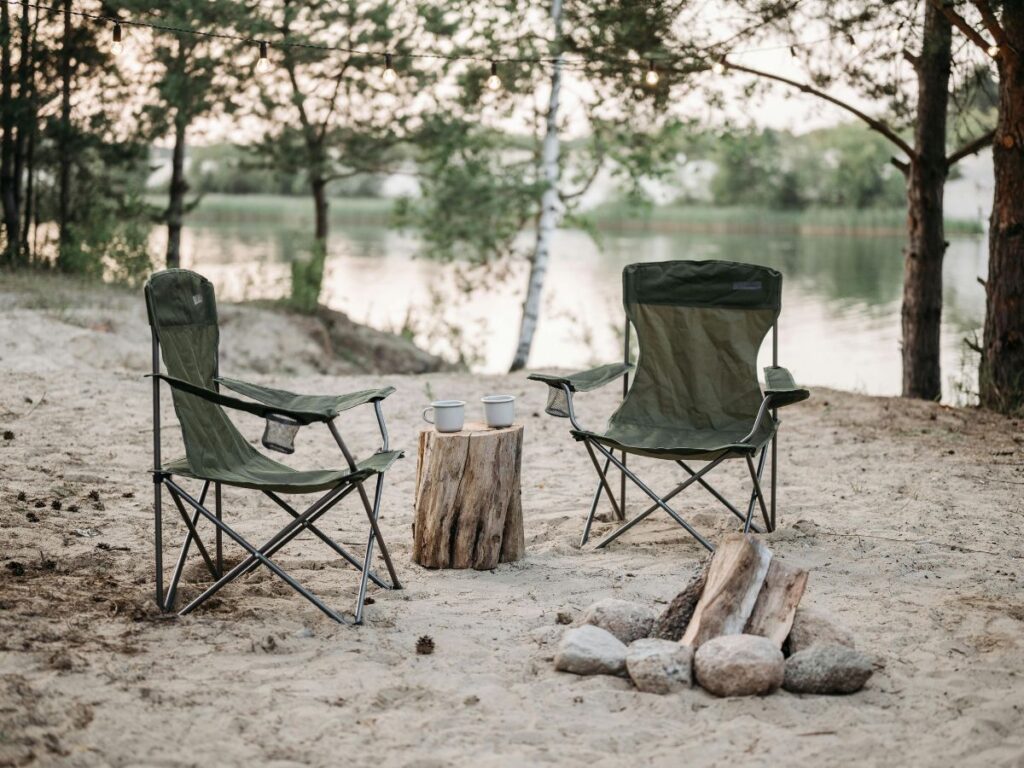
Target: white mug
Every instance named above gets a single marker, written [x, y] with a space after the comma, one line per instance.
[500, 410]
[449, 415]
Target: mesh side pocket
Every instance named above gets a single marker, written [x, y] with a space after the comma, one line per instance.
[280, 432]
[558, 403]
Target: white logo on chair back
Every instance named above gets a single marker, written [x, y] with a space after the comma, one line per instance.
[197, 299]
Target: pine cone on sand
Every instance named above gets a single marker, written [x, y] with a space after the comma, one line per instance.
[425, 645]
[673, 621]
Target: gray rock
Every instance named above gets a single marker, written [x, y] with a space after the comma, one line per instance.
[739, 665]
[627, 621]
[590, 650]
[812, 626]
[659, 666]
[827, 669]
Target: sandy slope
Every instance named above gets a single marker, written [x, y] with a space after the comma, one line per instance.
[878, 495]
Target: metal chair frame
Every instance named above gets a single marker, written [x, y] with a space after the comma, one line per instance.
[694, 476]
[260, 556]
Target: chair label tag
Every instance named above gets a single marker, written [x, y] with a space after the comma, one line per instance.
[197, 299]
[750, 285]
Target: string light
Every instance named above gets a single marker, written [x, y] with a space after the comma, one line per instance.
[993, 50]
[718, 67]
[390, 76]
[494, 82]
[116, 46]
[263, 62]
[651, 78]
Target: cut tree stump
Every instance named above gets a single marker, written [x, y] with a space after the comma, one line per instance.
[776, 605]
[469, 510]
[734, 581]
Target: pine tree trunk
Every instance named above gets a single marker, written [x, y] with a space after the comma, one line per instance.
[8, 177]
[1002, 363]
[926, 246]
[64, 147]
[176, 196]
[549, 207]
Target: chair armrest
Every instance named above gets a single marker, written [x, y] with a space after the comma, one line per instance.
[584, 381]
[227, 401]
[303, 410]
[323, 407]
[781, 389]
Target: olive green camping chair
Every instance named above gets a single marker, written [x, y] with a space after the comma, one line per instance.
[695, 394]
[183, 319]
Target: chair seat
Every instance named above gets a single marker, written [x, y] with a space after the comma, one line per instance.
[680, 442]
[264, 474]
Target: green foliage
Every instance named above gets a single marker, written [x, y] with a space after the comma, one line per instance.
[478, 195]
[842, 167]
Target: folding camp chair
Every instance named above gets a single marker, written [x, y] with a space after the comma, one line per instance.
[183, 317]
[695, 395]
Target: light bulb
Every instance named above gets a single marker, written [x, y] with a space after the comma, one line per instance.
[718, 67]
[389, 76]
[993, 50]
[652, 77]
[494, 82]
[116, 46]
[263, 62]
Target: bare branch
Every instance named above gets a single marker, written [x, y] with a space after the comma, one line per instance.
[873, 123]
[988, 18]
[960, 23]
[970, 148]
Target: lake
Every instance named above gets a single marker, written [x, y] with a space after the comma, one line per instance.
[840, 324]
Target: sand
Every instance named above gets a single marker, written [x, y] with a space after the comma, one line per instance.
[908, 514]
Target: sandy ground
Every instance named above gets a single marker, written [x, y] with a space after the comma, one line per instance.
[909, 515]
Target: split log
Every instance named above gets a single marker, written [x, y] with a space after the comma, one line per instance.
[776, 605]
[468, 505]
[674, 620]
[734, 581]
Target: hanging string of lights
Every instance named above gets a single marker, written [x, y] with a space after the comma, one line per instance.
[389, 76]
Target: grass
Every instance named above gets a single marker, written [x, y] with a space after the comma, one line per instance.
[616, 216]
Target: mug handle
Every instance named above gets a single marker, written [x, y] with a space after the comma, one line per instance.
[428, 408]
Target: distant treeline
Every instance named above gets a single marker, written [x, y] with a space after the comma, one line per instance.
[839, 167]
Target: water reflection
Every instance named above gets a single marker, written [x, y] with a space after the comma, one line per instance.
[840, 323]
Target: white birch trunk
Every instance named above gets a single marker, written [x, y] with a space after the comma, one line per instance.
[550, 204]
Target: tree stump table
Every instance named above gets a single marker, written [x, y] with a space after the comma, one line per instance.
[469, 510]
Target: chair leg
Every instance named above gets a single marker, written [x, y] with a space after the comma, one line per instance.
[176, 490]
[657, 500]
[775, 462]
[364, 577]
[158, 543]
[219, 541]
[748, 521]
[754, 478]
[593, 505]
[603, 480]
[714, 492]
[193, 532]
[172, 590]
[345, 554]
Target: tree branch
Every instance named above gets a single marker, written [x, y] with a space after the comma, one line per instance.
[988, 18]
[873, 123]
[970, 148]
[960, 23]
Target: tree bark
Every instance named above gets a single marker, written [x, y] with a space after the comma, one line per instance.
[64, 148]
[468, 502]
[176, 194]
[549, 206]
[926, 242]
[1001, 375]
[8, 178]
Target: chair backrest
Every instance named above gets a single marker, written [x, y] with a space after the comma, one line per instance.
[699, 325]
[182, 311]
